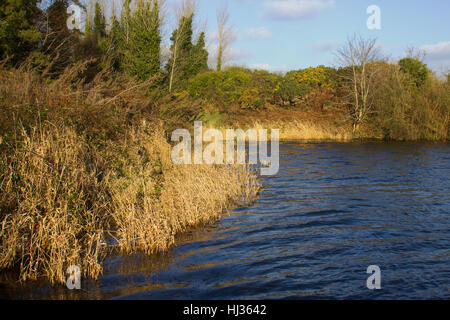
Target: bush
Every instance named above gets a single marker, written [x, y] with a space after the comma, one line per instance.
[250, 99]
[404, 113]
[416, 69]
[234, 86]
[296, 85]
[287, 90]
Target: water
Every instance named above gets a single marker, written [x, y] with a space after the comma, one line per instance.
[333, 210]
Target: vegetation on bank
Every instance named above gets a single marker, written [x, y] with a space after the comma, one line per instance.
[86, 169]
[85, 116]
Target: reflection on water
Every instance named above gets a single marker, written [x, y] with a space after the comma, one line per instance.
[333, 210]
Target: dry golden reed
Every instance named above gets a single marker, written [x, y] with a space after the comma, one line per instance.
[67, 201]
[306, 130]
[56, 189]
[157, 201]
[82, 174]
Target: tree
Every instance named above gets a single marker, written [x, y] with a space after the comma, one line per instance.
[199, 57]
[58, 45]
[359, 55]
[19, 34]
[142, 43]
[225, 35]
[115, 38]
[416, 69]
[181, 47]
[99, 23]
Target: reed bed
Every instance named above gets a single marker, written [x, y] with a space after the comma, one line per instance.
[306, 130]
[84, 171]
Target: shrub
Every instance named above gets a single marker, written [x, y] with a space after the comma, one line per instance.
[416, 68]
[250, 99]
[404, 113]
[224, 87]
[287, 90]
[298, 84]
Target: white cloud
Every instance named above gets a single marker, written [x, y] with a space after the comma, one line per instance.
[296, 9]
[259, 33]
[437, 56]
[268, 67]
[236, 54]
[437, 52]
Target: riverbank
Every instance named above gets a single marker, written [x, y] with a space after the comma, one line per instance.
[87, 169]
[332, 122]
[329, 202]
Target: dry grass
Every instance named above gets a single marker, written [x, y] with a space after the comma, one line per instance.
[295, 130]
[294, 123]
[61, 200]
[158, 200]
[306, 130]
[53, 199]
[80, 167]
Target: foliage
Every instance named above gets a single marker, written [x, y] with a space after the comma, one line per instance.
[250, 98]
[298, 84]
[404, 113]
[186, 59]
[99, 22]
[416, 68]
[19, 35]
[142, 43]
[81, 165]
[311, 78]
[198, 57]
[234, 86]
[288, 89]
[210, 119]
[59, 42]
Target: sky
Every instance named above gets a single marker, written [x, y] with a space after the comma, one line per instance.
[293, 34]
[283, 35]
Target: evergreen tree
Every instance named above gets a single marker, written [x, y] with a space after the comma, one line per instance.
[99, 23]
[19, 34]
[199, 57]
[125, 18]
[115, 38]
[180, 62]
[142, 43]
[59, 43]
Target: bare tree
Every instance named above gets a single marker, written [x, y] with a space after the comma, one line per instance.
[359, 55]
[415, 53]
[225, 35]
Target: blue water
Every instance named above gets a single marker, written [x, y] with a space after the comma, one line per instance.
[333, 210]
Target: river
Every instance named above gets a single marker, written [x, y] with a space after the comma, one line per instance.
[333, 210]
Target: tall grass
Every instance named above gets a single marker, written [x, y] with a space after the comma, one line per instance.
[296, 129]
[154, 200]
[85, 169]
[53, 205]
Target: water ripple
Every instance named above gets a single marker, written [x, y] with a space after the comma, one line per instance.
[333, 210]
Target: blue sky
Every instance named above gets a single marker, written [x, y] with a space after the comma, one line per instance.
[293, 34]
